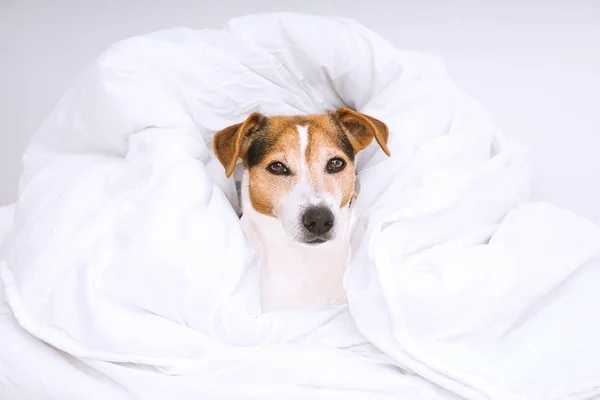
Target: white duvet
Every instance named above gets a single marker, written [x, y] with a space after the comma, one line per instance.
[127, 274]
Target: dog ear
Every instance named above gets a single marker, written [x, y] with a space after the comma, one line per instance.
[233, 142]
[362, 128]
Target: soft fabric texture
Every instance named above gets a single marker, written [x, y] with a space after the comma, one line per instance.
[7, 214]
[126, 247]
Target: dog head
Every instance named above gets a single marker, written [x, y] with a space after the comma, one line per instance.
[300, 169]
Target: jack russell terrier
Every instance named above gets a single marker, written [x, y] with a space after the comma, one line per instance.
[296, 193]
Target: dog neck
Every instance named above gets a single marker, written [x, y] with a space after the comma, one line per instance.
[295, 275]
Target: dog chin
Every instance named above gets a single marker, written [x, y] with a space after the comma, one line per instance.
[314, 241]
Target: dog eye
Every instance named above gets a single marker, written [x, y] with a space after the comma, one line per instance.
[335, 165]
[278, 168]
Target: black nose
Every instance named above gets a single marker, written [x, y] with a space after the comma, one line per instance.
[318, 220]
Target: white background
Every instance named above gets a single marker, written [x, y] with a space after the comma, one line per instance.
[535, 65]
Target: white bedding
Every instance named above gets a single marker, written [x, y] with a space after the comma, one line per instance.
[127, 257]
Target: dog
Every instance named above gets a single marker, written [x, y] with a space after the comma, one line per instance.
[296, 191]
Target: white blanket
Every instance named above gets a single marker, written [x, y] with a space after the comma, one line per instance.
[126, 247]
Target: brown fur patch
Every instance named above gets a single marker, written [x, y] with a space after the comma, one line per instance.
[325, 141]
[265, 188]
[261, 141]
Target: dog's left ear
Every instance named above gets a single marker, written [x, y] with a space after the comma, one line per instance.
[362, 129]
[233, 142]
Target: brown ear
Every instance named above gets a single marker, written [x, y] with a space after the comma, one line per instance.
[362, 128]
[232, 142]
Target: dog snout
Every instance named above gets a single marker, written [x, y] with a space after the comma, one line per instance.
[318, 220]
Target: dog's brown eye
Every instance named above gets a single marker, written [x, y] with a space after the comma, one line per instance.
[278, 168]
[335, 165]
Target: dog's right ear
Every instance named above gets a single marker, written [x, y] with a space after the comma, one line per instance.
[233, 142]
[361, 129]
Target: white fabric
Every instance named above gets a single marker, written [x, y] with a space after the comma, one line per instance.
[7, 214]
[126, 247]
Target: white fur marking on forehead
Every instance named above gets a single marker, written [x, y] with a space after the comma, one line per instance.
[303, 135]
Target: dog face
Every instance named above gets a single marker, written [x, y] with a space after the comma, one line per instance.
[300, 169]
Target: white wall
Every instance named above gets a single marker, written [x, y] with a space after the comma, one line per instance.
[534, 65]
